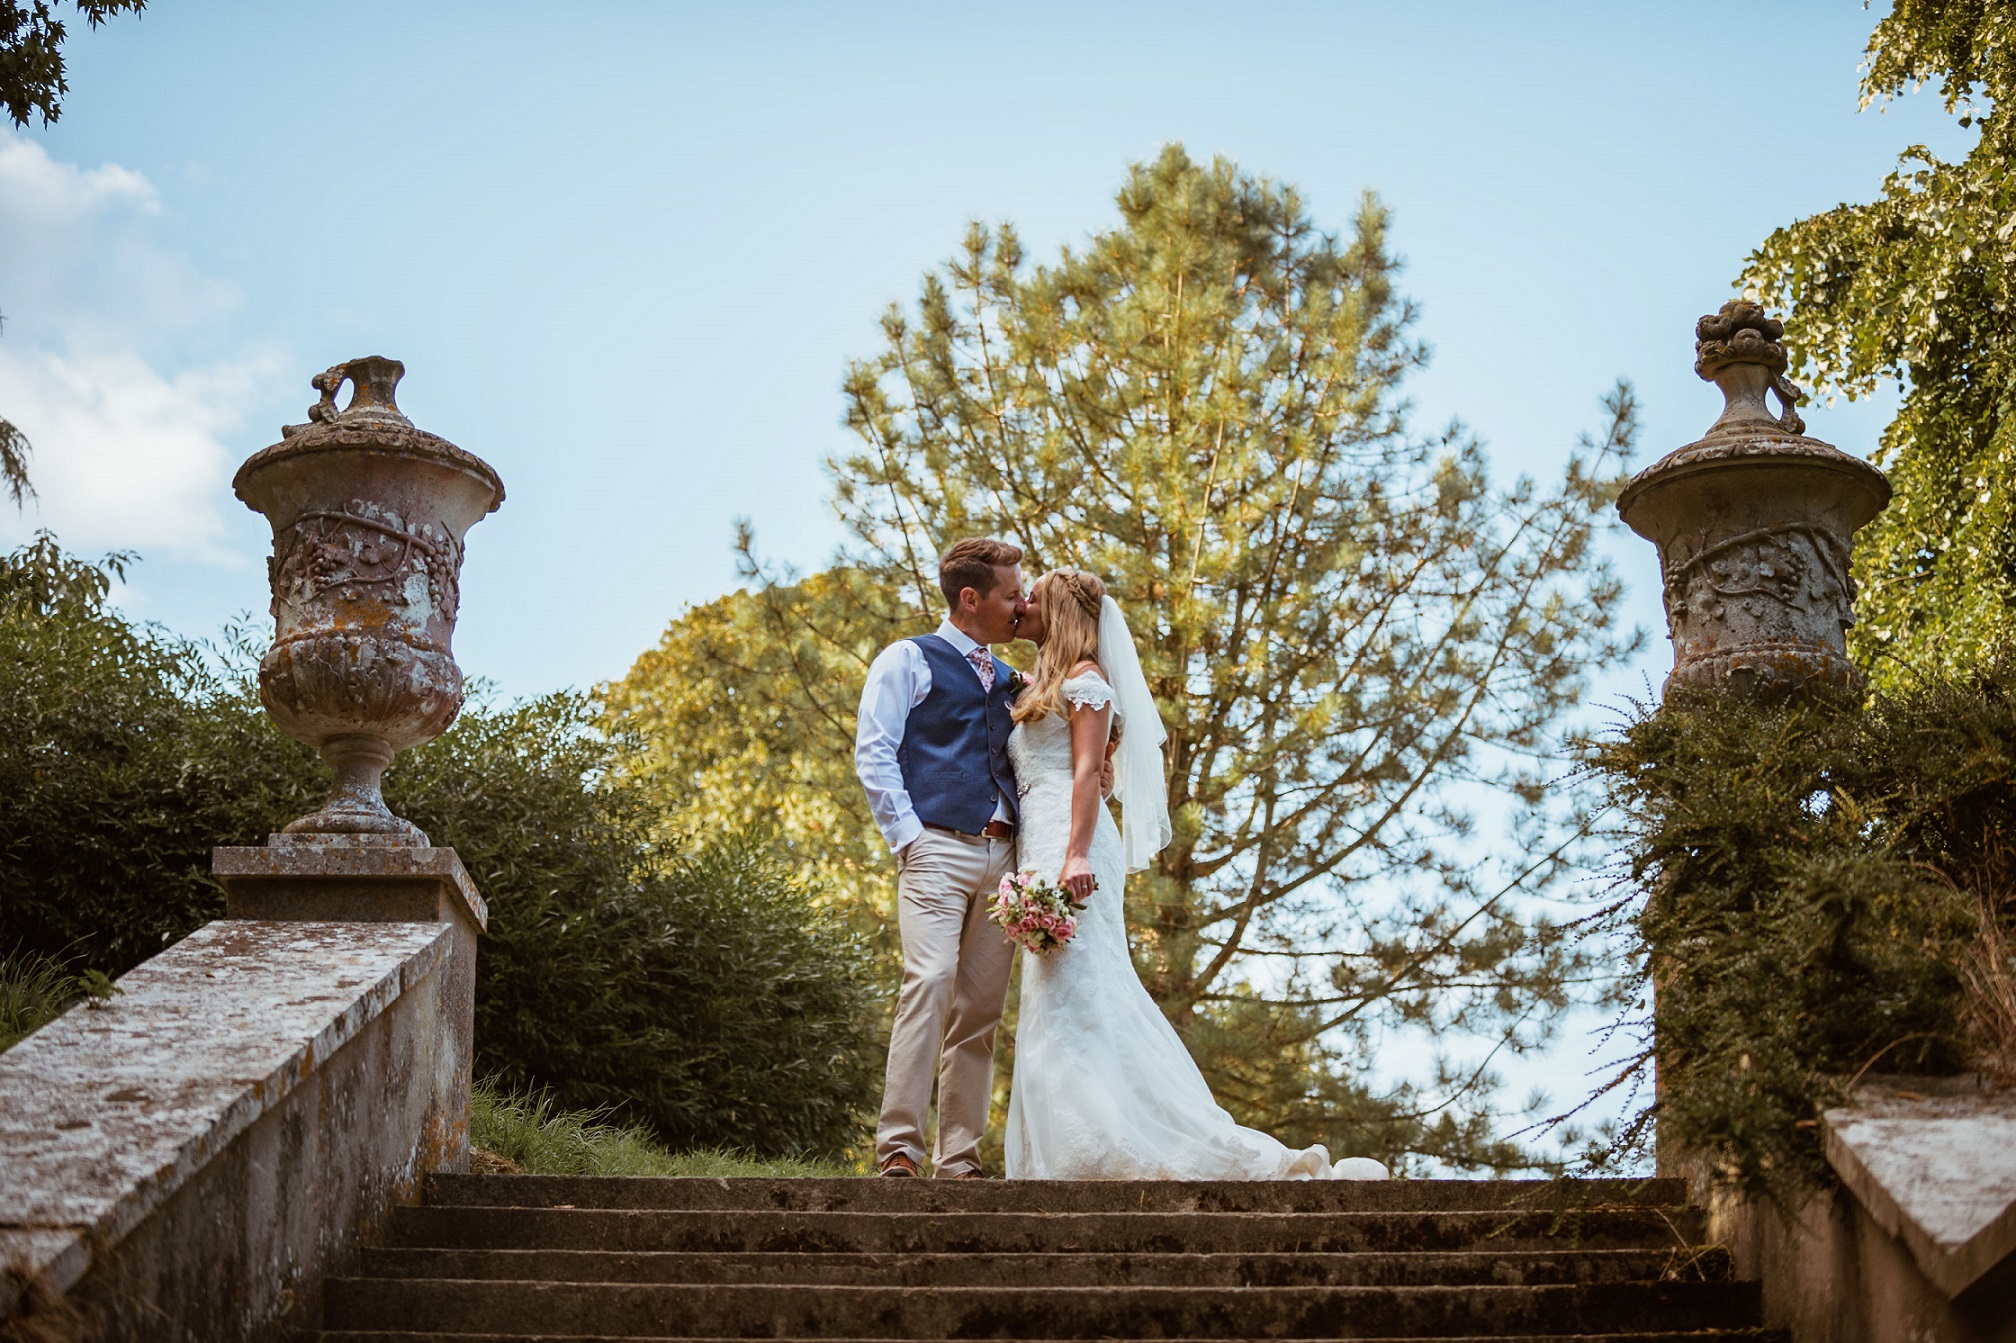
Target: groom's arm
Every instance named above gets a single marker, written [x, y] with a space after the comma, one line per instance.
[898, 681]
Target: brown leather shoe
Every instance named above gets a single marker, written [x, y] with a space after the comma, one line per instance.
[899, 1167]
[974, 1174]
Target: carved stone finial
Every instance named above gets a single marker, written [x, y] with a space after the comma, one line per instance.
[1753, 523]
[1739, 333]
[376, 380]
[1739, 349]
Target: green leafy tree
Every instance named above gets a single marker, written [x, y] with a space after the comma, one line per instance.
[1357, 641]
[14, 457]
[31, 53]
[32, 83]
[1920, 285]
[745, 712]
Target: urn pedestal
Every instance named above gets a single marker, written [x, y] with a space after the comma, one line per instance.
[368, 515]
[1753, 524]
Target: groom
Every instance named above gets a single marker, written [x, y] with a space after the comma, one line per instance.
[931, 748]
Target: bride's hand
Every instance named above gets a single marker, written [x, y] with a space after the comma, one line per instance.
[1077, 877]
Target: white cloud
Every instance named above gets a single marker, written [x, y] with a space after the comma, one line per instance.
[127, 432]
[125, 457]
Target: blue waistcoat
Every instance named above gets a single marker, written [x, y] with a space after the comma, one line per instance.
[954, 754]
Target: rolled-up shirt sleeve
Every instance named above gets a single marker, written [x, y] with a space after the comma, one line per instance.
[898, 681]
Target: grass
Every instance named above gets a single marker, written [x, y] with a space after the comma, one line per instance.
[34, 990]
[525, 1129]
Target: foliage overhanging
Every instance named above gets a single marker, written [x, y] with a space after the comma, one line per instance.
[1806, 887]
[32, 79]
[1920, 285]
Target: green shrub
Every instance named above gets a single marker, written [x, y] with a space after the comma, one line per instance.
[123, 758]
[1808, 885]
[700, 991]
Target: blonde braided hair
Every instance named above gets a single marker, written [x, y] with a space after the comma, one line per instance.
[1069, 600]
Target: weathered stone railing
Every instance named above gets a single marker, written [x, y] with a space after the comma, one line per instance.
[190, 1160]
[1919, 1240]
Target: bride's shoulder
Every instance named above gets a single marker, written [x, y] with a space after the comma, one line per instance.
[1086, 687]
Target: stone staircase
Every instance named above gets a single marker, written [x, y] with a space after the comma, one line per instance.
[521, 1257]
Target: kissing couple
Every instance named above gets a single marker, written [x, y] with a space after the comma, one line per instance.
[974, 773]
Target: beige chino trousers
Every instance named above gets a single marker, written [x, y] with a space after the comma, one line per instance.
[955, 984]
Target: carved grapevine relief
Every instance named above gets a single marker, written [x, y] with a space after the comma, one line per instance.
[363, 548]
[1803, 568]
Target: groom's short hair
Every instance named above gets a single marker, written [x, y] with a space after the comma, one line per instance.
[971, 564]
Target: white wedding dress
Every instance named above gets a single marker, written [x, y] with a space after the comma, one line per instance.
[1103, 1088]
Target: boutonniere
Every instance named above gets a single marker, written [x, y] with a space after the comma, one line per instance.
[1017, 683]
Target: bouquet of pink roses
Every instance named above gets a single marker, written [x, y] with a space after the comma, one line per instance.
[1038, 914]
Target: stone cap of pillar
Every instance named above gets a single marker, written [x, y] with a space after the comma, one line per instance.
[1741, 351]
[1753, 522]
[347, 878]
[1933, 1159]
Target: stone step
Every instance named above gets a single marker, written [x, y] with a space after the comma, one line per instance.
[688, 1310]
[1504, 1268]
[515, 1228]
[1752, 1335]
[867, 1195]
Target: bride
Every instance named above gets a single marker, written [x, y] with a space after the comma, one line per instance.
[1104, 1089]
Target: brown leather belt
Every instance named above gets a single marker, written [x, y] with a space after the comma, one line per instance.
[991, 830]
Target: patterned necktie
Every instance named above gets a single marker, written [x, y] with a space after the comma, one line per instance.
[983, 662]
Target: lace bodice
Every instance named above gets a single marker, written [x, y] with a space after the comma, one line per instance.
[1041, 750]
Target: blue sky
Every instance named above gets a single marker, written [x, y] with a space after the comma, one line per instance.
[626, 250]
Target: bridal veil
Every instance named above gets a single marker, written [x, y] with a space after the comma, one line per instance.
[1138, 784]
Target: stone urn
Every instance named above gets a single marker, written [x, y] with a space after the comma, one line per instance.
[1753, 524]
[368, 517]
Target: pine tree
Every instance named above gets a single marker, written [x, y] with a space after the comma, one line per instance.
[1356, 640]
